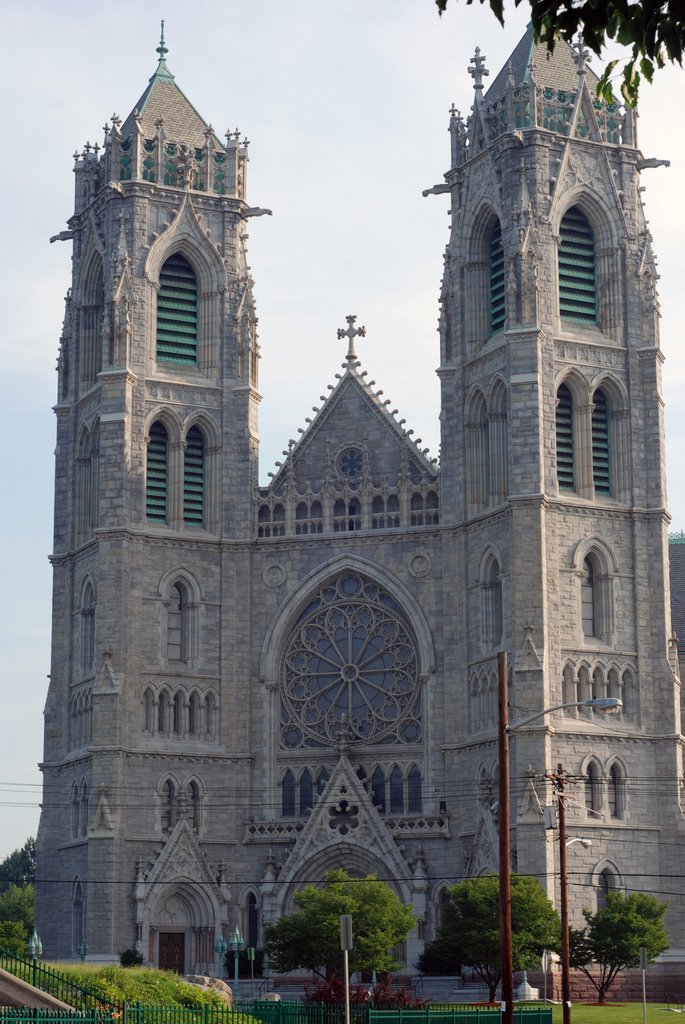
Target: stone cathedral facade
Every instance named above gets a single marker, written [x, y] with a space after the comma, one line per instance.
[251, 685]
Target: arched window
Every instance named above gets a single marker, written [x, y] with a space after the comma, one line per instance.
[91, 327]
[601, 475]
[306, 791]
[210, 716]
[378, 789]
[616, 792]
[566, 476]
[177, 312]
[577, 284]
[396, 791]
[192, 808]
[78, 917]
[587, 599]
[492, 605]
[288, 795]
[607, 883]
[164, 712]
[168, 806]
[414, 794]
[149, 710]
[592, 790]
[177, 714]
[321, 780]
[177, 623]
[194, 479]
[252, 916]
[75, 809]
[194, 714]
[88, 627]
[496, 283]
[84, 812]
[156, 497]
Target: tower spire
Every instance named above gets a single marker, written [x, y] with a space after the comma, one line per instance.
[162, 70]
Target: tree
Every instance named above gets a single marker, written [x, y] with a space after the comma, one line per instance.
[613, 936]
[470, 932]
[654, 29]
[310, 938]
[16, 917]
[20, 867]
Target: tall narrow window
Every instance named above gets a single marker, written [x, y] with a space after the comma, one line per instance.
[88, 628]
[600, 443]
[564, 432]
[192, 808]
[378, 789]
[616, 793]
[587, 599]
[288, 795]
[577, 286]
[252, 909]
[306, 791]
[414, 797]
[592, 792]
[496, 279]
[156, 489]
[168, 806]
[177, 312]
[607, 883]
[177, 616]
[396, 791]
[194, 479]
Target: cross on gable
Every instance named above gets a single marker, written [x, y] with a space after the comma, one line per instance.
[351, 333]
[478, 72]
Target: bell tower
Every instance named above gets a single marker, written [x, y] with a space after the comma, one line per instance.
[156, 472]
[553, 452]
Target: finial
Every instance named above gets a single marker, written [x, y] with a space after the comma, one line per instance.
[162, 50]
[581, 55]
[351, 333]
[478, 72]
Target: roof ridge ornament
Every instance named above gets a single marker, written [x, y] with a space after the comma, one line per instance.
[351, 333]
[478, 72]
[581, 55]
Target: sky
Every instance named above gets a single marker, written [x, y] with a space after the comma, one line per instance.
[345, 103]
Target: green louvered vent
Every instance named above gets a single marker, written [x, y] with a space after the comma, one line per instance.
[577, 289]
[565, 471]
[194, 479]
[601, 476]
[177, 312]
[496, 280]
[156, 491]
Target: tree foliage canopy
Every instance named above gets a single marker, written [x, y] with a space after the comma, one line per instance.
[653, 29]
[20, 867]
[613, 936]
[470, 933]
[16, 917]
[310, 938]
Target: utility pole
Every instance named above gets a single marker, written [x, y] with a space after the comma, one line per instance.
[559, 779]
[506, 959]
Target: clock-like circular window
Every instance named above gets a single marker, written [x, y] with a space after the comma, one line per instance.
[350, 463]
[350, 667]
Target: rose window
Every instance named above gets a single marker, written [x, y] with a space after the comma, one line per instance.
[350, 669]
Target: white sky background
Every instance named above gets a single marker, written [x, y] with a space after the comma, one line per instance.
[346, 106]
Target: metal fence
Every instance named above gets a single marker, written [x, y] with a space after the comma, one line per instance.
[271, 1013]
[55, 984]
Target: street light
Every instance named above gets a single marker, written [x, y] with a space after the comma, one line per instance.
[83, 949]
[220, 947]
[35, 951]
[504, 731]
[236, 943]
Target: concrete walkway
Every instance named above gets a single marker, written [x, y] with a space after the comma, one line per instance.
[14, 992]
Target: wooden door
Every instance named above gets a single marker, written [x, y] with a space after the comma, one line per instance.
[171, 951]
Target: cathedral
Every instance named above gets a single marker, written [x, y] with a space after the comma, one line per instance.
[251, 685]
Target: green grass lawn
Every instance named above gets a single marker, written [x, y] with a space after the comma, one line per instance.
[616, 1013]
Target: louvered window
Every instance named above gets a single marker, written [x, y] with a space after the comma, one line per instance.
[600, 443]
[496, 279]
[577, 287]
[194, 478]
[177, 312]
[565, 468]
[156, 491]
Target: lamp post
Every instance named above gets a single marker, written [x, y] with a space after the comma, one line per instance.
[220, 947]
[236, 944]
[35, 951]
[250, 957]
[83, 949]
[504, 731]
